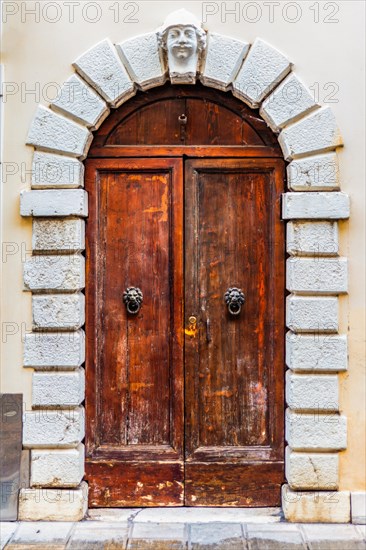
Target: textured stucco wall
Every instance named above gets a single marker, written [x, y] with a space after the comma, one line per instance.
[327, 51]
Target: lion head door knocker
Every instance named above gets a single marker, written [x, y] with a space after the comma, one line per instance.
[183, 40]
[132, 298]
[234, 299]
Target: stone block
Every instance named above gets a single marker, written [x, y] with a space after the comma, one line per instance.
[80, 102]
[316, 133]
[65, 389]
[52, 132]
[306, 471]
[317, 275]
[290, 101]
[56, 171]
[316, 352]
[46, 428]
[312, 238]
[316, 173]
[312, 392]
[55, 273]
[358, 507]
[53, 504]
[333, 206]
[333, 537]
[58, 467]
[263, 68]
[54, 203]
[46, 535]
[316, 431]
[102, 68]
[141, 56]
[316, 506]
[58, 311]
[58, 235]
[224, 57]
[54, 349]
[312, 314]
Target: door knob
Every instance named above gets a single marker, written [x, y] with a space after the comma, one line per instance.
[234, 299]
[132, 298]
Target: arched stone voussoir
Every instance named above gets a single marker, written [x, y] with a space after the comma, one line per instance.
[316, 133]
[143, 60]
[289, 102]
[80, 102]
[263, 69]
[103, 69]
[54, 133]
[224, 57]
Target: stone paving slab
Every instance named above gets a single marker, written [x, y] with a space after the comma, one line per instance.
[136, 531]
[94, 535]
[218, 536]
[7, 529]
[332, 536]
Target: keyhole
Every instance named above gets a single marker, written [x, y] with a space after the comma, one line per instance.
[182, 119]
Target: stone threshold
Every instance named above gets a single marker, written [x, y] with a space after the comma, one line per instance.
[187, 515]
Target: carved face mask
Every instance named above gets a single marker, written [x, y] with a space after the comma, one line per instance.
[182, 42]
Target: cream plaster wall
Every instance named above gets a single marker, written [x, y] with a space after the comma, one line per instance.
[329, 56]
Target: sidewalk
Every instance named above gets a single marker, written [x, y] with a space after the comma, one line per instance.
[182, 528]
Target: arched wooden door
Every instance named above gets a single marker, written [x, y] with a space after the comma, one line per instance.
[184, 401]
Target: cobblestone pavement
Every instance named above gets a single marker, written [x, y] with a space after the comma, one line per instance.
[189, 529]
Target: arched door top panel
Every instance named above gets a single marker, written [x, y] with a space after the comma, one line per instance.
[184, 116]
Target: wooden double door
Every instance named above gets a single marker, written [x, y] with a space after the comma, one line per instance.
[184, 383]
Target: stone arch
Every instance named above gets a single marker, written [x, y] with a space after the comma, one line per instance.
[261, 76]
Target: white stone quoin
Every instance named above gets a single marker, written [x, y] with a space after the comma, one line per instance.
[310, 314]
[316, 507]
[316, 352]
[316, 431]
[55, 202]
[55, 133]
[315, 173]
[54, 349]
[102, 68]
[57, 467]
[290, 101]
[263, 68]
[312, 392]
[305, 238]
[224, 57]
[58, 235]
[316, 133]
[306, 471]
[315, 206]
[55, 273]
[53, 428]
[317, 275]
[143, 60]
[58, 311]
[52, 389]
[80, 102]
[53, 504]
[57, 171]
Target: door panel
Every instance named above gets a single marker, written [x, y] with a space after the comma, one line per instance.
[234, 364]
[136, 398]
[227, 447]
